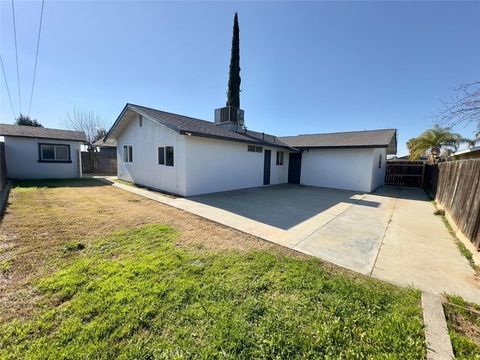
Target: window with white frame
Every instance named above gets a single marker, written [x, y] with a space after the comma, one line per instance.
[379, 161]
[140, 120]
[127, 153]
[54, 153]
[279, 157]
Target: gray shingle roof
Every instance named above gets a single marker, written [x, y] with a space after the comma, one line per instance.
[197, 127]
[101, 143]
[369, 138]
[42, 133]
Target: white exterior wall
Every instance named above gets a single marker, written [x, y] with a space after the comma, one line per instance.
[217, 165]
[144, 170]
[278, 173]
[21, 155]
[347, 169]
[378, 174]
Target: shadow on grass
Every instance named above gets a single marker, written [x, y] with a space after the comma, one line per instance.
[55, 183]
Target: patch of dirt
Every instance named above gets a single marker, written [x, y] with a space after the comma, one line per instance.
[39, 222]
[465, 320]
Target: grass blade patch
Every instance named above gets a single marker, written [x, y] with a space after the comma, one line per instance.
[137, 295]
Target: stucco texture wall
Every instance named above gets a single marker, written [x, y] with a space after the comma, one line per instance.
[347, 169]
[144, 169]
[21, 155]
[378, 168]
[217, 165]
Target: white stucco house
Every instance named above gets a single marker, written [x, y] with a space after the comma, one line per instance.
[187, 156]
[40, 153]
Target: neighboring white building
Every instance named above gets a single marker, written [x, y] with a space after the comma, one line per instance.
[188, 156]
[39, 153]
[469, 153]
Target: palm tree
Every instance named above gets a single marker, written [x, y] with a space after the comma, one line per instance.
[434, 140]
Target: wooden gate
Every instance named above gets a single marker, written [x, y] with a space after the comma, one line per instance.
[405, 173]
[101, 163]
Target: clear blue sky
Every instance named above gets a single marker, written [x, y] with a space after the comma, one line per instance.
[306, 67]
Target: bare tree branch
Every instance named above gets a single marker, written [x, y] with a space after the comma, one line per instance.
[463, 108]
[87, 121]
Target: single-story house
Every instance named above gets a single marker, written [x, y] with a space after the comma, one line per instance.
[103, 147]
[470, 153]
[188, 156]
[40, 153]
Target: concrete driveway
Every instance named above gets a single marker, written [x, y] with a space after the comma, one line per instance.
[391, 234]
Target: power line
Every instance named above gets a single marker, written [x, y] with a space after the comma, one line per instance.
[36, 58]
[16, 55]
[6, 84]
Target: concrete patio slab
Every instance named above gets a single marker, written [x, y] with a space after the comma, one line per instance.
[391, 234]
[352, 239]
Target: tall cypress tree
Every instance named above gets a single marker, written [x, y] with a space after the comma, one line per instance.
[233, 95]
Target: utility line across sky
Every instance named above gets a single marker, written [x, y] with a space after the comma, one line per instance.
[6, 85]
[16, 56]
[36, 58]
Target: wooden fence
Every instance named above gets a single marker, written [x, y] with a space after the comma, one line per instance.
[104, 163]
[405, 173]
[3, 166]
[458, 192]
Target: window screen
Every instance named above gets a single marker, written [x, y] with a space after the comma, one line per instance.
[169, 155]
[61, 153]
[47, 152]
[279, 157]
[127, 153]
[161, 156]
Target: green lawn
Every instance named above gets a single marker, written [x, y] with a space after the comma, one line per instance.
[463, 320]
[136, 295]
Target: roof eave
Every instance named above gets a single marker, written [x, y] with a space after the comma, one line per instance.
[45, 137]
[267, 143]
[119, 117]
[340, 146]
[160, 121]
[245, 141]
[133, 108]
[467, 151]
